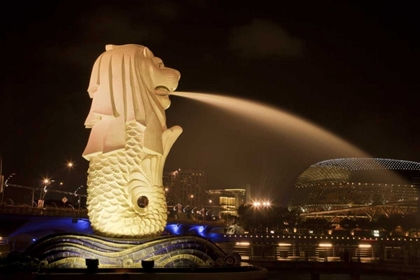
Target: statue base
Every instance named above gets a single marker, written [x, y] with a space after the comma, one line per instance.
[66, 256]
[81, 250]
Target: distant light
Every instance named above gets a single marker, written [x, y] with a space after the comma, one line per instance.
[261, 203]
[285, 244]
[325, 245]
[33, 239]
[365, 246]
[243, 243]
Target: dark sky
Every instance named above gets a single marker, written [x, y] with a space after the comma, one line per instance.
[349, 67]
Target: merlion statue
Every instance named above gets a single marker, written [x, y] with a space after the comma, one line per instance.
[129, 141]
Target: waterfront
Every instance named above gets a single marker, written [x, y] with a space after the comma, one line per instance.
[265, 250]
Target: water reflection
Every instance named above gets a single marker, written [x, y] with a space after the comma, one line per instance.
[380, 254]
[322, 252]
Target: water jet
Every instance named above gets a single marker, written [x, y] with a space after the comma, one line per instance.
[278, 122]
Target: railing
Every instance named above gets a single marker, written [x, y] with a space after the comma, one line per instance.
[46, 211]
[70, 211]
[314, 238]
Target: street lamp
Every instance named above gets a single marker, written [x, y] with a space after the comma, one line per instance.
[166, 195]
[75, 194]
[5, 185]
[259, 210]
[47, 182]
[8, 178]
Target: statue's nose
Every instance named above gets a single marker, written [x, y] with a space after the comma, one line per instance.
[173, 75]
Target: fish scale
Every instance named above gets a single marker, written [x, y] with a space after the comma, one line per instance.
[108, 198]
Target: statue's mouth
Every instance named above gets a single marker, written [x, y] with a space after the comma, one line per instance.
[162, 91]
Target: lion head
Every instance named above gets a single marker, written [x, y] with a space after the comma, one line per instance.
[128, 83]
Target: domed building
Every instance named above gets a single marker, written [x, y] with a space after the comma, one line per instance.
[363, 186]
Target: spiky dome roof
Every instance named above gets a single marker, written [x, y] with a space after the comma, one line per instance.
[377, 170]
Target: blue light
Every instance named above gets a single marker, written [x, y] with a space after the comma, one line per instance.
[41, 226]
[175, 229]
[198, 230]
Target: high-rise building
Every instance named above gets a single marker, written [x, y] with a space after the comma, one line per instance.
[185, 187]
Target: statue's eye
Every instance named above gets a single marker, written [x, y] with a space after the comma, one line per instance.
[142, 201]
[158, 62]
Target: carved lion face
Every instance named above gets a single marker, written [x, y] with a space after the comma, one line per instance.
[163, 80]
[128, 83]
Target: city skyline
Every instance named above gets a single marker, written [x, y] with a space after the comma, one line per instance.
[348, 68]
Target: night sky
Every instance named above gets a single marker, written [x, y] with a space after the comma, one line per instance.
[348, 67]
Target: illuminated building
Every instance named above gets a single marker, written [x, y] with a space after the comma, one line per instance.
[363, 186]
[186, 187]
[227, 200]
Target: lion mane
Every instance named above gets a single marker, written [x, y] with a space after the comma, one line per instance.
[122, 91]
